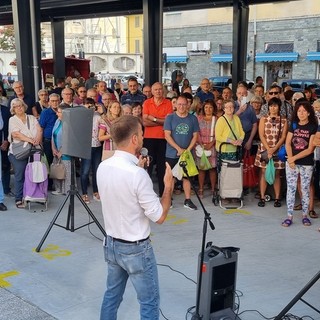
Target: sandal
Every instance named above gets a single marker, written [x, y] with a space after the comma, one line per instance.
[277, 203]
[20, 204]
[297, 207]
[85, 198]
[257, 195]
[287, 223]
[313, 214]
[306, 222]
[261, 203]
[200, 193]
[96, 196]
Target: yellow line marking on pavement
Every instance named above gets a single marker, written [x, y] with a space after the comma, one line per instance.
[170, 217]
[180, 221]
[231, 211]
[52, 251]
[4, 283]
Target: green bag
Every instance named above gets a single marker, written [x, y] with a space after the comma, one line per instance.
[191, 166]
[204, 162]
[270, 173]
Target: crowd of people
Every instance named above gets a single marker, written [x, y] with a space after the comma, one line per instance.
[257, 121]
[211, 124]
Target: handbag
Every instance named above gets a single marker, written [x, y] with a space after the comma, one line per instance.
[270, 173]
[204, 163]
[282, 153]
[250, 177]
[190, 164]
[200, 150]
[21, 150]
[57, 169]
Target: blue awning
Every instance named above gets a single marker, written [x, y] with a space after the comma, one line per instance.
[280, 56]
[221, 57]
[181, 59]
[313, 56]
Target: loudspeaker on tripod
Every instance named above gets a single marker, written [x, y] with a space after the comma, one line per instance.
[219, 272]
[77, 132]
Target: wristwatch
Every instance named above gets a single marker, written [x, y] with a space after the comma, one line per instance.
[154, 119]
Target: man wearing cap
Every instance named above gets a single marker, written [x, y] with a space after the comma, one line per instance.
[175, 84]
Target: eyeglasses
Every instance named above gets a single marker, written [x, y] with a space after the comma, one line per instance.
[273, 93]
[82, 91]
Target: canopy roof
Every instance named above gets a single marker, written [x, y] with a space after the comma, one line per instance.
[82, 9]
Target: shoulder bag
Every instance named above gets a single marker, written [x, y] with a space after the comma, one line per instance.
[22, 149]
[57, 169]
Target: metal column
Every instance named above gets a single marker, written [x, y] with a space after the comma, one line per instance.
[153, 38]
[58, 48]
[26, 21]
[240, 39]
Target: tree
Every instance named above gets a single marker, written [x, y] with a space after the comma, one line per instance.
[7, 40]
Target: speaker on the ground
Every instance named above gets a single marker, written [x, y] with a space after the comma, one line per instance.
[219, 271]
[77, 132]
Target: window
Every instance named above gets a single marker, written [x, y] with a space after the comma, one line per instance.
[278, 47]
[137, 46]
[225, 49]
[137, 22]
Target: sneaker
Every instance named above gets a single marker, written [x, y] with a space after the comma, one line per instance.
[10, 194]
[189, 204]
[56, 193]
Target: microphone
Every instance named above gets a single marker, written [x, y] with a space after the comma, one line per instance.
[144, 154]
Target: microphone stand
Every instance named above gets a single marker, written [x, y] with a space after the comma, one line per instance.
[207, 219]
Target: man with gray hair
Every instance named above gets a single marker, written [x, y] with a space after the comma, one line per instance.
[19, 93]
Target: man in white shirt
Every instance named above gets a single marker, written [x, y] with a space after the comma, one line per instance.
[128, 204]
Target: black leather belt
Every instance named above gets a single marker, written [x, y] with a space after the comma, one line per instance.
[131, 242]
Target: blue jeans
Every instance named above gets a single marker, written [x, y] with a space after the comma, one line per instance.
[137, 262]
[86, 164]
[19, 167]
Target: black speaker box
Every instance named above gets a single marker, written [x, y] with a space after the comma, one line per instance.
[77, 132]
[218, 287]
[226, 314]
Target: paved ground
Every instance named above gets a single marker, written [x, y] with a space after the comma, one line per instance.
[66, 280]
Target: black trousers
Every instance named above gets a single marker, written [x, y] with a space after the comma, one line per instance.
[157, 150]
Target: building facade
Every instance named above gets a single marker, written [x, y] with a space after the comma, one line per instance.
[283, 42]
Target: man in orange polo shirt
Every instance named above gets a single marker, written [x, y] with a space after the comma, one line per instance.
[154, 113]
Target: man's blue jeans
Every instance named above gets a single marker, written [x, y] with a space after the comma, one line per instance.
[86, 164]
[136, 262]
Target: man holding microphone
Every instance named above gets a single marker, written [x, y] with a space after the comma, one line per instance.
[128, 204]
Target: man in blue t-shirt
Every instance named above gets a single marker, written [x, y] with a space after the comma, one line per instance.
[181, 132]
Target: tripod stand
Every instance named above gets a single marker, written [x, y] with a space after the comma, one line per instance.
[70, 219]
[299, 297]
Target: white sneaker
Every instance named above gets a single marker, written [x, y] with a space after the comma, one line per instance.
[57, 193]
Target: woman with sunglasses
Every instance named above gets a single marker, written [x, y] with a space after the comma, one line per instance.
[272, 133]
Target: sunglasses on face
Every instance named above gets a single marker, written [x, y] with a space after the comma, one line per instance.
[273, 93]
